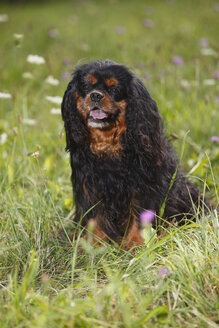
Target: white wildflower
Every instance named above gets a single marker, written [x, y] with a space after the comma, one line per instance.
[208, 52]
[3, 138]
[51, 80]
[5, 95]
[18, 36]
[35, 59]
[36, 154]
[29, 121]
[66, 155]
[27, 75]
[209, 82]
[191, 162]
[185, 84]
[55, 100]
[55, 111]
[18, 39]
[3, 18]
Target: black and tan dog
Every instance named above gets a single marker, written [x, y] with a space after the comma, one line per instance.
[121, 161]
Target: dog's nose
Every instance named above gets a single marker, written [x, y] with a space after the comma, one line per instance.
[96, 96]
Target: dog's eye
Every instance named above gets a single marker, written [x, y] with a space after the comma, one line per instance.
[113, 90]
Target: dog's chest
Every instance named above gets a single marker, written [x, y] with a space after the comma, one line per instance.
[107, 142]
[103, 176]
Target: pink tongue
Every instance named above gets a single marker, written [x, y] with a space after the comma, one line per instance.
[98, 114]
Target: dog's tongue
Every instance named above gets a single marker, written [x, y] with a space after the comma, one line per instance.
[98, 114]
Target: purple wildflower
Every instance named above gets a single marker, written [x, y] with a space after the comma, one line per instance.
[67, 61]
[148, 23]
[147, 76]
[65, 76]
[147, 217]
[215, 139]
[217, 99]
[203, 42]
[120, 30]
[216, 6]
[140, 65]
[149, 10]
[163, 272]
[216, 74]
[178, 60]
[53, 33]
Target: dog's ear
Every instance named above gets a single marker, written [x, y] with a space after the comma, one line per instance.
[144, 124]
[75, 127]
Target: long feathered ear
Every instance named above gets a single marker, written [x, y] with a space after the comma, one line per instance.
[144, 124]
[75, 128]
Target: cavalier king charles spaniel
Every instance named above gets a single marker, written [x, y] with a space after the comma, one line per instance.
[121, 161]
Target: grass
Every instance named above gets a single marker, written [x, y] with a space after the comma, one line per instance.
[46, 279]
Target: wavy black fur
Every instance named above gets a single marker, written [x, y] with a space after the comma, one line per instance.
[141, 177]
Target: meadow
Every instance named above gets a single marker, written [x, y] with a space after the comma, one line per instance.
[46, 279]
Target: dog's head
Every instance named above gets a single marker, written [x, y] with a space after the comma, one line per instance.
[104, 95]
[101, 92]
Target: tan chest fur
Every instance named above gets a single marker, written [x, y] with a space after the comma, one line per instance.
[108, 141]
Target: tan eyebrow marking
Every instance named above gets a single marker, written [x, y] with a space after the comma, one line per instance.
[111, 81]
[92, 79]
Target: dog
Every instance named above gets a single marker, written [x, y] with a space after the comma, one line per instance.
[121, 160]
